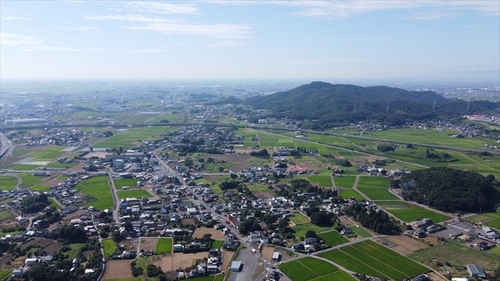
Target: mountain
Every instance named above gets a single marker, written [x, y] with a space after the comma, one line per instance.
[323, 105]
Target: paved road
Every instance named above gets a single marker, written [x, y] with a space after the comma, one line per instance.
[116, 201]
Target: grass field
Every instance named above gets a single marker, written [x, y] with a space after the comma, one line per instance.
[348, 193]
[457, 255]
[97, 191]
[53, 203]
[298, 218]
[49, 153]
[126, 139]
[376, 188]
[119, 183]
[373, 259]
[217, 244]
[133, 194]
[5, 274]
[41, 188]
[489, 219]
[333, 238]
[29, 180]
[361, 232]
[322, 181]
[313, 269]
[408, 212]
[346, 182]
[5, 215]
[433, 137]
[164, 246]
[109, 247]
[7, 182]
[301, 229]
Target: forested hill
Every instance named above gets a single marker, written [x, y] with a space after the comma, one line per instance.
[325, 105]
[450, 190]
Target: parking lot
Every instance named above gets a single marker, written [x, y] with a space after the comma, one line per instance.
[456, 228]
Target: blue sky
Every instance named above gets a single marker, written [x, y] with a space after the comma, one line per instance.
[247, 39]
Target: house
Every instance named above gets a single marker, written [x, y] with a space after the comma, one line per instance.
[488, 233]
[310, 240]
[89, 271]
[17, 273]
[421, 277]
[419, 233]
[178, 248]
[31, 261]
[476, 271]
[231, 244]
[276, 256]
[346, 230]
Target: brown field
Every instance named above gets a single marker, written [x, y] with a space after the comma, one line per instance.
[12, 160]
[431, 239]
[45, 242]
[28, 243]
[54, 247]
[147, 244]
[170, 263]
[4, 259]
[118, 269]
[227, 258]
[186, 222]
[403, 244]
[216, 234]
[268, 251]
[263, 194]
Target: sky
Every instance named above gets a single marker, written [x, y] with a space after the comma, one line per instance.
[226, 39]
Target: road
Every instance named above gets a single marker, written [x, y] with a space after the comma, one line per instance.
[116, 200]
[6, 147]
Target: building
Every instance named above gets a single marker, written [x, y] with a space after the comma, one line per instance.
[118, 163]
[236, 266]
[276, 256]
[476, 271]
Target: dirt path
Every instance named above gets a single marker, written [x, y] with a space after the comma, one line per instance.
[355, 187]
[476, 162]
[333, 181]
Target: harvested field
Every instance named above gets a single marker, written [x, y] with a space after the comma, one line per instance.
[147, 244]
[4, 259]
[402, 244]
[186, 222]
[177, 260]
[216, 234]
[118, 269]
[268, 251]
[45, 242]
[54, 247]
[263, 194]
[226, 259]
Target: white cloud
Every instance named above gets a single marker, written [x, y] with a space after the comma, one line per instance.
[220, 31]
[14, 18]
[16, 40]
[349, 8]
[488, 62]
[163, 8]
[132, 18]
[80, 28]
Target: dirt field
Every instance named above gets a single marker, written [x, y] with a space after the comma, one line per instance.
[227, 257]
[402, 244]
[186, 222]
[147, 244]
[216, 234]
[118, 269]
[431, 239]
[263, 194]
[268, 251]
[177, 260]
[54, 247]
